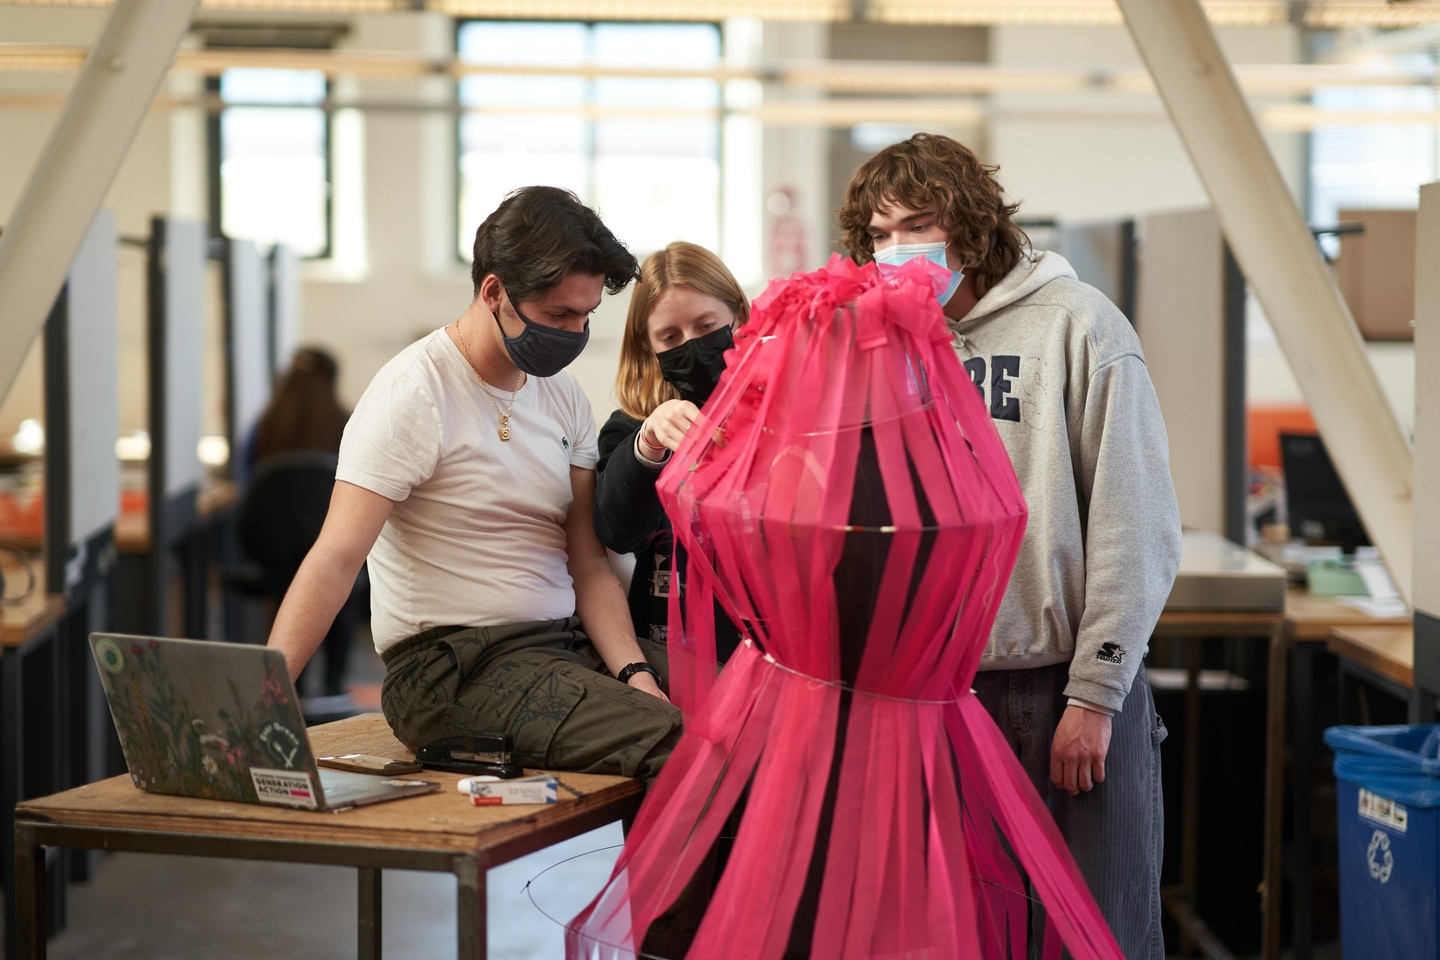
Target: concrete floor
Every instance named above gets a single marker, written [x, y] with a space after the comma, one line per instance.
[143, 907]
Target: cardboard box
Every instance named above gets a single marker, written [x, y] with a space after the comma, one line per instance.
[1376, 272]
[539, 788]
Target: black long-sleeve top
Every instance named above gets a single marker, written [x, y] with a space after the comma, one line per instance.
[630, 519]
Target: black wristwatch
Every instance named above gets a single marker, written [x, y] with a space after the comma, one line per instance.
[640, 666]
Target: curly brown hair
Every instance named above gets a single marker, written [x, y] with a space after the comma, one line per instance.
[929, 170]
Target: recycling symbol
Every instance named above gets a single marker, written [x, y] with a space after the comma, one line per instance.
[1379, 857]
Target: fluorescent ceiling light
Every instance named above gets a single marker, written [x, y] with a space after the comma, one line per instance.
[1302, 116]
[306, 6]
[40, 58]
[1371, 13]
[331, 62]
[995, 11]
[1225, 13]
[849, 112]
[881, 77]
[262, 6]
[1249, 13]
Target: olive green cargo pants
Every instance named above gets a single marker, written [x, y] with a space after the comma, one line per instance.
[543, 683]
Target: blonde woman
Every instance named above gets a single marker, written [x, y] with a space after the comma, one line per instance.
[682, 312]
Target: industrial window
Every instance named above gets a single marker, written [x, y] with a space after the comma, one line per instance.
[273, 147]
[644, 153]
[1376, 164]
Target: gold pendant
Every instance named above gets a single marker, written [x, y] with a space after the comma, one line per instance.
[504, 428]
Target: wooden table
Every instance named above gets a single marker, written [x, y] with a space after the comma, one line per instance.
[21, 623]
[136, 566]
[1294, 637]
[34, 709]
[1387, 652]
[132, 527]
[438, 831]
[1310, 618]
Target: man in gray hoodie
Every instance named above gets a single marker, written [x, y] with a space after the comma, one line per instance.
[1060, 369]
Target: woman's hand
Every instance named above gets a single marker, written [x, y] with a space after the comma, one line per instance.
[666, 427]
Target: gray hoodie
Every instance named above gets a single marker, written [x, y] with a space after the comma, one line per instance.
[1061, 371]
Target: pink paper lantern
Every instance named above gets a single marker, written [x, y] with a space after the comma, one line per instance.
[847, 501]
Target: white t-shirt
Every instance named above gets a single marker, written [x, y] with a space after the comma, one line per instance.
[476, 535]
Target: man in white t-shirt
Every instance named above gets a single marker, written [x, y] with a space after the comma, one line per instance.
[467, 476]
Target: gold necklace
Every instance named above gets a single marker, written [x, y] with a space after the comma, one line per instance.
[503, 415]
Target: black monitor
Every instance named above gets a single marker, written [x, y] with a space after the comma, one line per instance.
[1319, 509]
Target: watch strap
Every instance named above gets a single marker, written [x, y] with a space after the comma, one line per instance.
[640, 666]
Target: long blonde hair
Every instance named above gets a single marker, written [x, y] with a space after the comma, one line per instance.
[638, 384]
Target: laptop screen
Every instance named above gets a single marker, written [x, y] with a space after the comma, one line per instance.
[202, 719]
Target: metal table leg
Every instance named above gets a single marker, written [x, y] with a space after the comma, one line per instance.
[1190, 813]
[1194, 934]
[370, 913]
[1302, 799]
[471, 894]
[29, 899]
[1272, 883]
[12, 759]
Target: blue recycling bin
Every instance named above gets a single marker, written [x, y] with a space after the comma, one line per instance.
[1388, 792]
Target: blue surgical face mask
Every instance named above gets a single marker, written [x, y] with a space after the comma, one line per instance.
[899, 253]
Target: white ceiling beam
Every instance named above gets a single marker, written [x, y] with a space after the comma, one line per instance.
[75, 171]
[856, 76]
[1283, 265]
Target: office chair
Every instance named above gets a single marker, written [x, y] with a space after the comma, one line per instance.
[280, 516]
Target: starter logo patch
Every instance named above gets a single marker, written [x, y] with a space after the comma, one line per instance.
[1110, 653]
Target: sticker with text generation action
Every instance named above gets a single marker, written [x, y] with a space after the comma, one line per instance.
[286, 788]
[1383, 810]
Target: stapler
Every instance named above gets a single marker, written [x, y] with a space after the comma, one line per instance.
[484, 755]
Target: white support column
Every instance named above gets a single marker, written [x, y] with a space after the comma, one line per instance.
[110, 98]
[1282, 264]
[1426, 599]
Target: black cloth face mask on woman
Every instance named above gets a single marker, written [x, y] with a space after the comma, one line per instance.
[695, 366]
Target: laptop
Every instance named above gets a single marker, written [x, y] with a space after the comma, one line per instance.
[221, 721]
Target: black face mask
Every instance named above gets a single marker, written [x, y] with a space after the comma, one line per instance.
[543, 351]
[695, 366]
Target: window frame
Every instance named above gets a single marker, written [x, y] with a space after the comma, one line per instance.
[215, 157]
[590, 154]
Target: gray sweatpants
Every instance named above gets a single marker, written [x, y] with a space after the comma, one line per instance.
[1115, 831]
[543, 683]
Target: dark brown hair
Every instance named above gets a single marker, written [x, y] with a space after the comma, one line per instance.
[638, 384]
[539, 234]
[303, 413]
[933, 170]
